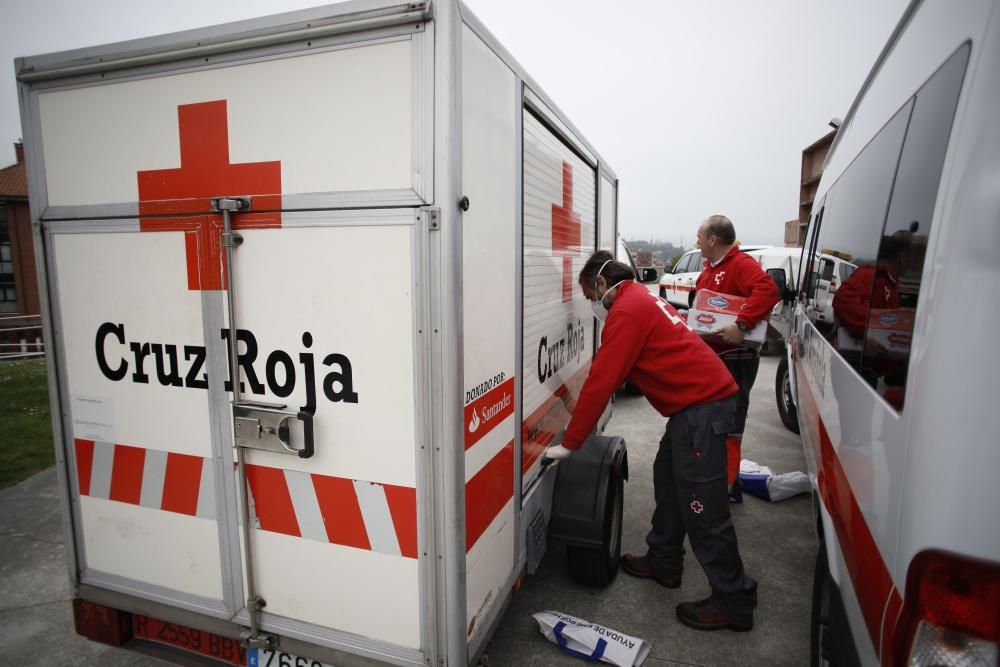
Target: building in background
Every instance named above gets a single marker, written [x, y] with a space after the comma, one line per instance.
[813, 157]
[20, 327]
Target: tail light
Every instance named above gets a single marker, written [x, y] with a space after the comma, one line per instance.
[101, 624]
[951, 613]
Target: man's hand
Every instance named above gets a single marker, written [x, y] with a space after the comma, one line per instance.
[731, 334]
[557, 453]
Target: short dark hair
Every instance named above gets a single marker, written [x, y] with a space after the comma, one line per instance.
[720, 227]
[614, 272]
[895, 245]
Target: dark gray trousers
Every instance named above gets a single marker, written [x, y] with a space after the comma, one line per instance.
[743, 366]
[689, 480]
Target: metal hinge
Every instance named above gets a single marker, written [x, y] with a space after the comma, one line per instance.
[433, 218]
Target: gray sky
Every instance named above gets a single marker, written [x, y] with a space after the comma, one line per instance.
[699, 107]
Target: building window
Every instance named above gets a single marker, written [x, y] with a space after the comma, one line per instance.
[8, 291]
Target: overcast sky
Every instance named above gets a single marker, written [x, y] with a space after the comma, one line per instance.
[699, 107]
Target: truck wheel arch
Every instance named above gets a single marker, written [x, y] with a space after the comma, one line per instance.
[587, 509]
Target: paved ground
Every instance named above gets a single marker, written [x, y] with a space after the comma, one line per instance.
[777, 542]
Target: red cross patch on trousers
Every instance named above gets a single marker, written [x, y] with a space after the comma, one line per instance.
[697, 507]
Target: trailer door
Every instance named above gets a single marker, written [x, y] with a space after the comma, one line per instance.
[558, 324]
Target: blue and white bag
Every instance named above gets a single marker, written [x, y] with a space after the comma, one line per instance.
[591, 641]
[758, 480]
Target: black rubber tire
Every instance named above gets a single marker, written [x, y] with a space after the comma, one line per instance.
[820, 649]
[597, 567]
[783, 396]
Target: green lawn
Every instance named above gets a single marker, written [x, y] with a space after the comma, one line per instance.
[25, 428]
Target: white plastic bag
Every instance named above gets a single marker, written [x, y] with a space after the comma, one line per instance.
[591, 641]
[758, 480]
[787, 485]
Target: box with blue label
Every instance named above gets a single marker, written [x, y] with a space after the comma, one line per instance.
[712, 311]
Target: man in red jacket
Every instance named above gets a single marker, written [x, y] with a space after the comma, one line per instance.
[645, 342]
[729, 271]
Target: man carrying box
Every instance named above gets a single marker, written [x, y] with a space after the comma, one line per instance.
[729, 271]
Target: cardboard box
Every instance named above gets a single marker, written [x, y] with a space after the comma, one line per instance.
[890, 328]
[714, 310]
[893, 329]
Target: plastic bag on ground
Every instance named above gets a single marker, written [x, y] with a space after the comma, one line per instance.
[787, 485]
[591, 641]
[753, 479]
[758, 480]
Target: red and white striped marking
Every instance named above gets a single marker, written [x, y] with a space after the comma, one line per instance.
[349, 512]
[168, 481]
[354, 513]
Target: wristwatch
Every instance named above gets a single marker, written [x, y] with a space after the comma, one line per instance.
[742, 326]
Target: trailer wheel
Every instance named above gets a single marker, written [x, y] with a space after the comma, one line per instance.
[592, 566]
[783, 395]
[820, 649]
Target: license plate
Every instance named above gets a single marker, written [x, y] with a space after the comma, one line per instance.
[219, 648]
[266, 657]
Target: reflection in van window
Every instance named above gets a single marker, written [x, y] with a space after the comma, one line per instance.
[886, 348]
[855, 212]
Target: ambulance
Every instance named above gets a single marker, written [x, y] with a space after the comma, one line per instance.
[895, 397]
[270, 450]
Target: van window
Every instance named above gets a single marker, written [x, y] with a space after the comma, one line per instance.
[854, 214]
[807, 265]
[903, 243]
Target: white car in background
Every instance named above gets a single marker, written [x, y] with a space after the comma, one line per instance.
[677, 283]
[833, 271]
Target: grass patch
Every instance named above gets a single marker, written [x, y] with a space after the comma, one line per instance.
[25, 427]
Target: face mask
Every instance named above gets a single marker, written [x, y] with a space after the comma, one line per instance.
[600, 310]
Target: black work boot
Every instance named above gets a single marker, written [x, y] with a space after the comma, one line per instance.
[642, 567]
[704, 615]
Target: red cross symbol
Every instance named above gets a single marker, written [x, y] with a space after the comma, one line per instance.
[177, 200]
[566, 231]
[697, 507]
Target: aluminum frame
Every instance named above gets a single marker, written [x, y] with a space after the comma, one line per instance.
[535, 90]
[421, 140]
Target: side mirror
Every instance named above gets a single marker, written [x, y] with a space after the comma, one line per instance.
[827, 273]
[649, 275]
[778, 276]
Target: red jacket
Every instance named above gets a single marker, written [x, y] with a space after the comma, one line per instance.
[739, 274]
[868, 287]
[645, 342]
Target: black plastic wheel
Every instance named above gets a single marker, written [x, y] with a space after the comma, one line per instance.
[783, 395]
[598, 566]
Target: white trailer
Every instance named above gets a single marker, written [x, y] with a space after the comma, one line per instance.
[384, 441]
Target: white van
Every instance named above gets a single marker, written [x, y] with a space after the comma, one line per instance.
[897, 426]
[677, 283]
[831, 270]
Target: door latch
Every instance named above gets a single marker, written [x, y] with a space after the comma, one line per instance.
[268, 426]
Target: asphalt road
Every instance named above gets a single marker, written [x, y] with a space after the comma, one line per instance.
[777, 543]
[776, 540]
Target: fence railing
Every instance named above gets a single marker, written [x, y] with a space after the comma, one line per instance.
[21, 337]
